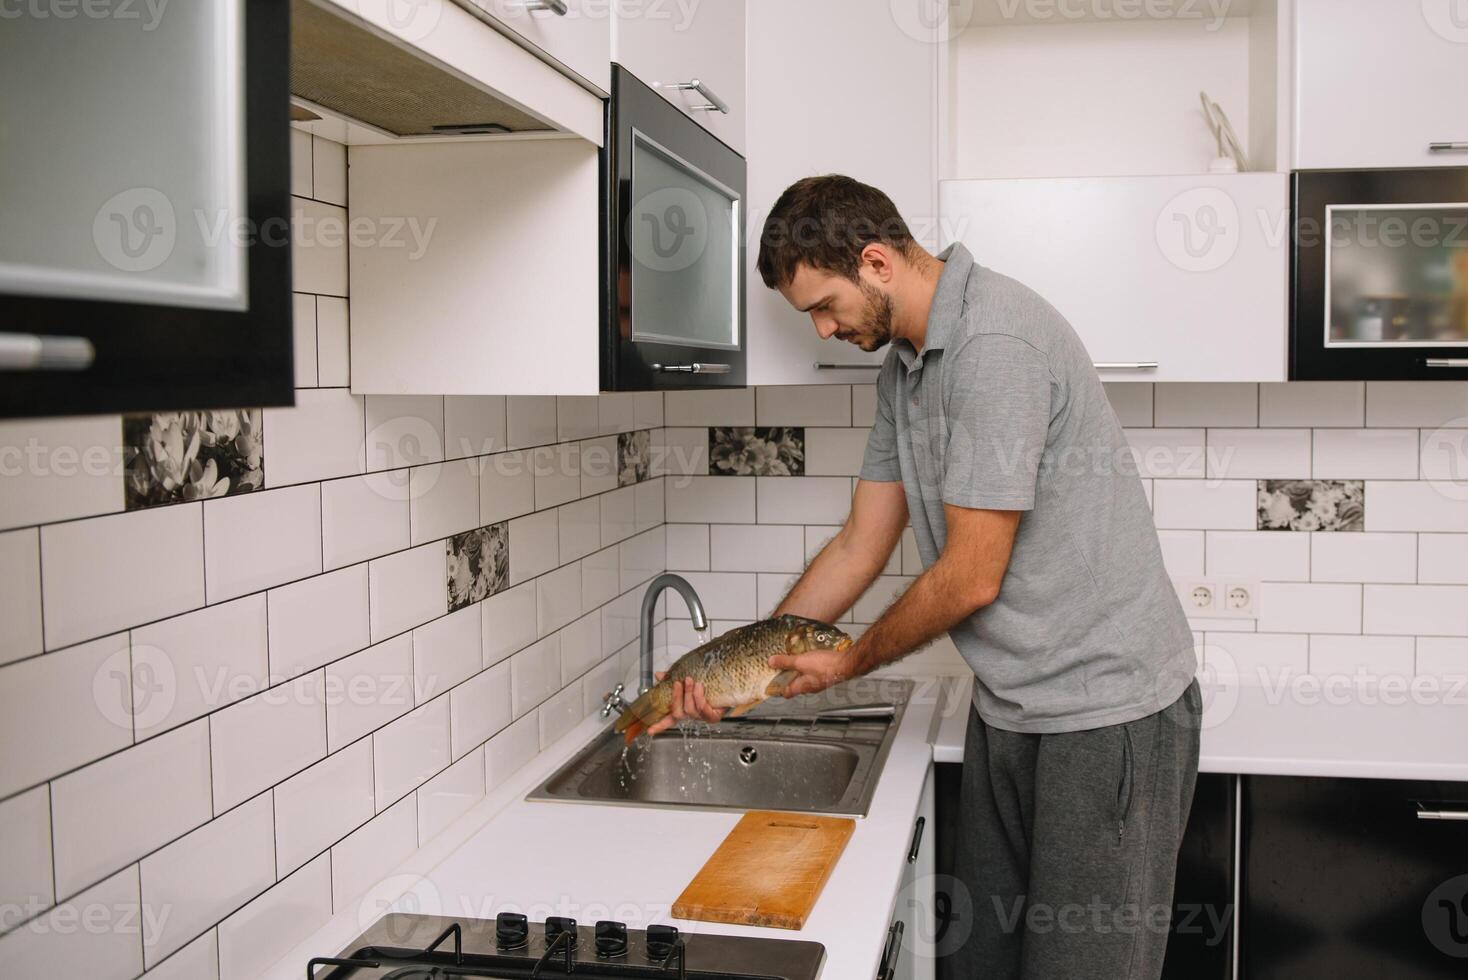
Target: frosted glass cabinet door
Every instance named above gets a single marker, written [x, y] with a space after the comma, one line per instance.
[139, 151]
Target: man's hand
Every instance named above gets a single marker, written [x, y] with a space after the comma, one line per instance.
[819, 669]
[688, 702]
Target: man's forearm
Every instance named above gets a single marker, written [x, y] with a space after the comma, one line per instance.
[939, 599]
[833, 582]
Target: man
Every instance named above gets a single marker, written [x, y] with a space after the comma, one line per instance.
[993, 435]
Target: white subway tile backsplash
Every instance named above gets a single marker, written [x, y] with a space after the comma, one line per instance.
[598, 465]
[1415, 404]
[1273, 454]
[506, 487]
[643, 557]
[264, 739]
[1349, 656]
[478, 708]
[317, 439]
[649, 504]
[1399, 505]
[1276, 556]
[1443, 559]
[318, 247]
[316, 621]
[560, 713]
[371, 852]
[20, 599]
[535, 545]
[362, 518]
[202, 877]
[647, 409]
[761, 548]
[443, 500]
[1366, 454]
[1422, 610]
[199, 960]
[1256, 658]
[558, 598]
[1131, 401]
[25, 855]
[257, 935]
[1169, 452]
[367, 690]
[878, 597]
[577, 417]
[473, 425]
[834, 452]
[109, 814]
[682, 452]
[328, 171]
[333, 345]
[770, 589]
[109, 573]
[1182, 553]
[63, 710]
[508, 751]
[616, 411]
[403, 430]
[803, 405]
[446, 652]
[447, 796]
[557, 474]
[717, 406]
[318, 807]
[1286, 607]
[1317, 404]
[1206, 404]
[407, 752]
[300, 163]
[806, 500]
[618, 515]
[535, 673]
[1444, 459]
[60, 469]
[530, 420]
[303, 329]
[725, 595]
[581, 646]
[509, 622]
[56, 945]
[689, 547]
[601, 574]
[408, 589]
[1363, 557]
[1205, 504]
[580, 529]
[1442, 656]
[260, 539]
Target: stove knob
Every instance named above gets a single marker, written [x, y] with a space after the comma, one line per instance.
[511, 930]
[557, 924]
[611, 938]
[660, 941]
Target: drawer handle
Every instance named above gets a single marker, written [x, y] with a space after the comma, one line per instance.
[1447, 362]
[714, 103]
[1447, 145]
[32, 352]
[1125, 365]
[888, 968]
[828, 366]
[917, 840]
[557, 7]
[1425, 814]
[696, 367]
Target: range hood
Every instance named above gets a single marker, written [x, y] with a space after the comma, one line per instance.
[353, 61]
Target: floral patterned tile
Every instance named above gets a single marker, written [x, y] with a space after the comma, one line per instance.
[176, 456]
[634, 457]
[1312, 505]
[746, 451]
[478, 564]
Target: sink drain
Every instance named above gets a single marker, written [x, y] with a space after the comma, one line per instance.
[748, 755]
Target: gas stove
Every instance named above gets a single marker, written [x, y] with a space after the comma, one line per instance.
[433, 947]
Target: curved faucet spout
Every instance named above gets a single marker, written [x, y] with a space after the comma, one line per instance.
[649, 606]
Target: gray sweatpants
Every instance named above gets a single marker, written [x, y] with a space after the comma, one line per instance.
[1069, 848]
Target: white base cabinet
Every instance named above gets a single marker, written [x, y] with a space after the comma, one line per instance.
[911, 953]
[1177, 278]
[474, 268]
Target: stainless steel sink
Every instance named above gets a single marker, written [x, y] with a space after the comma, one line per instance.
[819, 754]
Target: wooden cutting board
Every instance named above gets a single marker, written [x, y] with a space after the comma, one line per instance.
[769, 871]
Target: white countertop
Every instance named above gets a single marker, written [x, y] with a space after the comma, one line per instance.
[629, 863]
[1300, 726]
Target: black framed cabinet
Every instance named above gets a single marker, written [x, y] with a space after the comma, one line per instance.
[145, 235]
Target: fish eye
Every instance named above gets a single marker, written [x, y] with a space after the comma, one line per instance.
[822, 637]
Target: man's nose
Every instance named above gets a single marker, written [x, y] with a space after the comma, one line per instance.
[825, 326]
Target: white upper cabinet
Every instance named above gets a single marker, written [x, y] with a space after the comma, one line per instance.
[577, 34]
[1379, 82]
[837, 87]
[671, 46]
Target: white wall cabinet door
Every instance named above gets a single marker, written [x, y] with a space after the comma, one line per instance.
[811, 111]
[575, 33]
[1377, 82]
[1178, 278]
[474, 268]
[666, 45]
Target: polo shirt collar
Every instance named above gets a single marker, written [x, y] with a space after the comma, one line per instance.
[948, 302]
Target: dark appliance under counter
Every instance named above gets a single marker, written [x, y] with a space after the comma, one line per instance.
[404, 946]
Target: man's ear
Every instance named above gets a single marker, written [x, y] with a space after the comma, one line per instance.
[877, 261]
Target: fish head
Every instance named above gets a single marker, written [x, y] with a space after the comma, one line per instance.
[810, 636]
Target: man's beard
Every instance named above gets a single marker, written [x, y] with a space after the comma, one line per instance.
[875, 330]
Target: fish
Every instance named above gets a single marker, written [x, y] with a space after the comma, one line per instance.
[734, 669]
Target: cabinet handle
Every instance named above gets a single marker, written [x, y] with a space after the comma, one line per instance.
[1125, 365]
[31, 352]
[1447, 362]
[696, 367]
[1447, 145]
[714, 104]
[557, 7]
[917, 840]
[828, 366]
[888, 968]
[1425, 814]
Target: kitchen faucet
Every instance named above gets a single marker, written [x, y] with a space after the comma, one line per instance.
[649, 603]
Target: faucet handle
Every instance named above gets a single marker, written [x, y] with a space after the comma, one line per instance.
[612, 701]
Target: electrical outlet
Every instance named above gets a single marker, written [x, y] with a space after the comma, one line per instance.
[1227, 599]
[1240, 599]
[1201, 597]
[1198, 598]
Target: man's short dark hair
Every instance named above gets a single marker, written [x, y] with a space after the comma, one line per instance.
[825, 222]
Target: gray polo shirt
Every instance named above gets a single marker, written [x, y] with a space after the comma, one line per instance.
[1002, 410]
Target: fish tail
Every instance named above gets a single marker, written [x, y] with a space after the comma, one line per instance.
[643, 713]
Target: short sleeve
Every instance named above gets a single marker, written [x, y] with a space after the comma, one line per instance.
[880, 463]
[998, 394]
